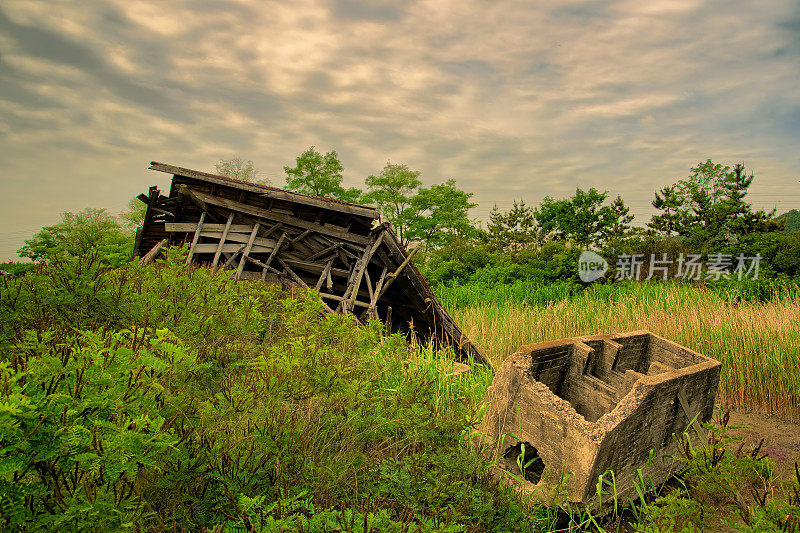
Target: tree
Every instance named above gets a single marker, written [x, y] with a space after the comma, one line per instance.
[391, 192]
[709, 206]
[582, 218]
[134, 215]
[440, 213]
[671, 219]
[319, 175]
[81, 233]
[238, 169]
[513, 230]
[791, 221]
[621, 219]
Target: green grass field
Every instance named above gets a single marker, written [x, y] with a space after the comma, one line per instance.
[753, 331]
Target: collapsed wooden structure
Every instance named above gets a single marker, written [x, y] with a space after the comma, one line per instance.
[340, 249]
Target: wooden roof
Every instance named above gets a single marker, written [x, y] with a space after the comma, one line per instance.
[340, 249]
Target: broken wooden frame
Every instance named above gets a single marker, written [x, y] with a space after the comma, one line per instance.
[339, 249]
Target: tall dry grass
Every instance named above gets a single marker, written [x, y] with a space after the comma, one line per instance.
[757, 342]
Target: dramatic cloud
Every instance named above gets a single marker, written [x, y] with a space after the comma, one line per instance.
[513, 101]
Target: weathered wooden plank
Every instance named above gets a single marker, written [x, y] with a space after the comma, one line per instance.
[368, 281]
[339, 299]
[324, 276]
[302, 236]
[315, 268]
[197, 230]
[243, 238]
[230, 247]
[178, 227]
[272, 230]
[272, 255]
[333, 231]
[149, 256]
[233, 257]
[183, 190]
[269, 192]
[378, 286]
[393, 276]
[359, 268]
[324, 252]
[222, 241]
[246, 252]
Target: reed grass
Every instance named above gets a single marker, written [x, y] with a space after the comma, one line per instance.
[758, 342]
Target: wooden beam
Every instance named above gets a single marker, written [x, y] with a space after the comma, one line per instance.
[325, 274]
[393, 276]
[246, 252]
[262, 265]
[233, 257]
[302, 236]
[153, 193]
[222, 242]
[272, 230]
[333, 231]
[360, 267]
[324, 252]
[229, 248]
[153, 252]
[272, 255]
[378, 286]
[186, 227]
[368, 281]
[270, 192]
[297, 279]
[236, 233]
[183, 190]
[339, 299]
[196, 237]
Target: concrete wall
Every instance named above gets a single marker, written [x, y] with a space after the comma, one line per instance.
[596, 403]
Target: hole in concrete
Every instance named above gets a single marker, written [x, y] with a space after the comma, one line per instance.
[525, 458]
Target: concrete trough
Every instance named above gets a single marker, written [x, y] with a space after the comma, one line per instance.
[576, 408]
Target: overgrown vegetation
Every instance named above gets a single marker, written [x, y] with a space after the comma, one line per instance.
[166, 397]
[719, 486]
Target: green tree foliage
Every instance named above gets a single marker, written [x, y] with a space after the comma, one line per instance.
[319, 175]
[791, 221]
[16, 268]
[582, 218]
[391, 191]
[709, 207]
[238, 169]
[670, 220]
[134, 215]
[440, 212]
[79, 234]
[513, 230]
[620, 230]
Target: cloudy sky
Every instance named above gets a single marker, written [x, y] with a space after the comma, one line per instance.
[513, 99]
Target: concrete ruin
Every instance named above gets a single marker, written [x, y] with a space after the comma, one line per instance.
[575, 408]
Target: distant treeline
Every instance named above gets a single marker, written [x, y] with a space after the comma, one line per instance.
[704, 217]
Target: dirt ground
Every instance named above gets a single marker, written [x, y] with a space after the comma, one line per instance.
[781, 439]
